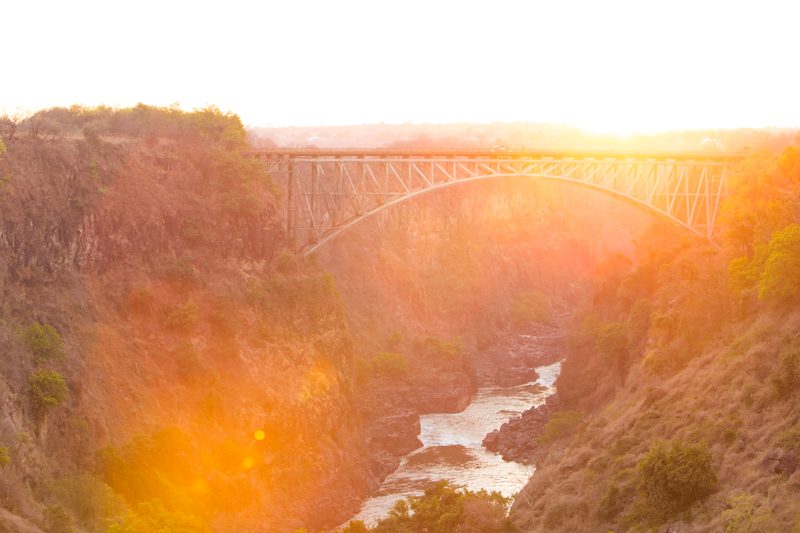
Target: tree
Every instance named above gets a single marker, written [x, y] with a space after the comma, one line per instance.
[48, 390]
[444, 508]
[43, 341]
[780, 280]
[673, 477]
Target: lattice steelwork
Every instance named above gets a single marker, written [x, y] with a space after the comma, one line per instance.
[330, 191]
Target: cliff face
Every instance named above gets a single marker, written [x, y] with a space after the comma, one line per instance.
[678, 405]
[206, 374]
[211, 380]
[435, 288]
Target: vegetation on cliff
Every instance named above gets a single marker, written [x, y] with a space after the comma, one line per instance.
[163, 358]
[443, 508]
[697, 346]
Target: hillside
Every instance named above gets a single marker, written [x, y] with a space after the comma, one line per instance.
[678, 401]
[150, 325]
[167, 363]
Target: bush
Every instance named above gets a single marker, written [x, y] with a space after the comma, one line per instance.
[674, 477]
[444, 508]
[356, 526]
[531, 306]
[745, 515]
[154, 516]
[48, 390]
[182, 272]
[44, 342]
[389, 364]
[88, 499]
[188, 362]
[780, 280]
[787, 378]
[790, 439]
[140, 301]
[5, 458]
[611, 339]
[611, 504]
[57, 520]
[184, 317]
[561, 424]
[437, 348]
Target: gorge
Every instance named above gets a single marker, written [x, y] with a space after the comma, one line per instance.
[170, 364]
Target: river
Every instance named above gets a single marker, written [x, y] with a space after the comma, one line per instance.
[452, 450]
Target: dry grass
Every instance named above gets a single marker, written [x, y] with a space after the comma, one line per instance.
[722, 397]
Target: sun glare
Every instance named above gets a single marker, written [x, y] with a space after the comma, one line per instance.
[612, 67]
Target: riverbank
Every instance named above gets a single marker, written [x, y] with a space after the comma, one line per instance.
[444, 382]
[452, 450]
[415, 449]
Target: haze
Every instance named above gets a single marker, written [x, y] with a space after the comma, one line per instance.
[615, 67]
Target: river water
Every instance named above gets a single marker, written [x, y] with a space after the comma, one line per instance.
[452, 447]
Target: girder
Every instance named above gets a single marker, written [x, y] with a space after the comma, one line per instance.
[330, 191]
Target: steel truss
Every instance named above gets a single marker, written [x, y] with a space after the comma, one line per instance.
[328, 192]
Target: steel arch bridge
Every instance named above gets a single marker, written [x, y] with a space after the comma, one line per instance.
[329, 191]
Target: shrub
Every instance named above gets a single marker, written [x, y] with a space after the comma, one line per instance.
[188, 361]
[192, 230]
[286, 263]
[745, 515]
[561, 424]
[611, 339]
[48, 390]
[57, 520]
[790, 439]
[239, 204]
[389, 364]
[184, 317]
[555, 515]
[154, 516]
[4, 457]
[611, 504]
[439, 348]
[673, 477]
[531, 306]
[780, 280]
[743, 272]
[43, 341]
[140, 301]
[88, 499]
[182, 272]
[356, 526]
[444, 508]
[787, 378]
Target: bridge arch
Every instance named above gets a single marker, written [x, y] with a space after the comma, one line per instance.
[330, 192]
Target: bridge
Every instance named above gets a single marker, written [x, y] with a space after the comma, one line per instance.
[329, 191]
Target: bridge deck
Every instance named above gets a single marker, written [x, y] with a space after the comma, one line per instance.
[330, 190]
[303, 153]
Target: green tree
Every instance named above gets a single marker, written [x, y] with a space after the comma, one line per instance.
[153, 516]
[48, 390]
[43, 341]
[443, 508]
[673, 477]
[780, 280]
[561, 424]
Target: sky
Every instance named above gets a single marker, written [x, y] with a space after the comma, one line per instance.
[602, 65]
